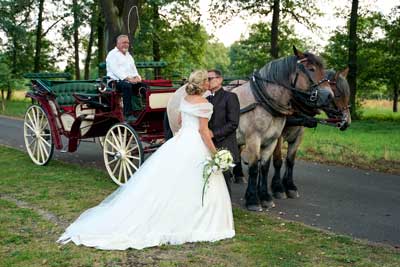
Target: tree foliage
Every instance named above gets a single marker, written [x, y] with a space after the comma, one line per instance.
[251, 53]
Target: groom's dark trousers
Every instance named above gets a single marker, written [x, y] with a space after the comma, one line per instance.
[223, 123]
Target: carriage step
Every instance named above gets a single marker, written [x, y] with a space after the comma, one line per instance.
[64, 149]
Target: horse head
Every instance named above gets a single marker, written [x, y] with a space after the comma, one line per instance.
[339, 108]
[309, 78]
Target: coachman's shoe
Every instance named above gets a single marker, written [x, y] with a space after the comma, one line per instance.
[130, 118]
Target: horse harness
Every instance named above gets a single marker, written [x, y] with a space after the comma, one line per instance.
[309, 98]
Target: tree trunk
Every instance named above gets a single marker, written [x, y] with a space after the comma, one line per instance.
[93, 21]
[275, 29]
[100, 43]
[120, 18]
[76, 39]
[3, 101]
[395, 96]
[156, 41]
[352, 76]
[38, 46]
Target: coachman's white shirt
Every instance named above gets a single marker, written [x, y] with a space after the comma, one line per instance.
[120, 66]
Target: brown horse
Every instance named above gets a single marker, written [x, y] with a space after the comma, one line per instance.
[339, 115]
[265, 103]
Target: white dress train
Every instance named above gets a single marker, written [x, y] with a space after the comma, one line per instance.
[161, 203]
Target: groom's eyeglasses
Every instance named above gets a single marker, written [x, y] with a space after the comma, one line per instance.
[211, 78]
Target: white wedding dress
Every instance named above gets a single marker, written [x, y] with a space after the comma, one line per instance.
[161, 203]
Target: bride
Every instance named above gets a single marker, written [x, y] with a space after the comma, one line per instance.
[161, 203]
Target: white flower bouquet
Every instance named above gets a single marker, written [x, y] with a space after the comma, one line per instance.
[220, 161]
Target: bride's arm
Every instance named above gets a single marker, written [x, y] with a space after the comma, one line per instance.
[179, 120]
[206, 136]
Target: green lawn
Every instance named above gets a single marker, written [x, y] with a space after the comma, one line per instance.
[16, 108]
[366, 144]
[28, 239]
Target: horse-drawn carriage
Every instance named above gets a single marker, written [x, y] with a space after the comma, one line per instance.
[89, 109]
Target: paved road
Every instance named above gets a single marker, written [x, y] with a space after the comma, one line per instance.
[349, 201]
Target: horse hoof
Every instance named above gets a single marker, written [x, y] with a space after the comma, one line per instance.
[292, 194]
[267, 204]
[279, 195]
[256, 208]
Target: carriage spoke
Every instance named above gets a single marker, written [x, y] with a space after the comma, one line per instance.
[30, 127]
[112, 144]
[112, 161]
[44, 126]
[121, 145]
[133, 148]
[129, 168]
[125, 171]
[129, 141]
[110, 153]
[116, 166]
[115, 139]
[120, 170]
[133, 165]
[133, 157]
[29, 116]
[41, 148]
[44, 141]
[125, 134]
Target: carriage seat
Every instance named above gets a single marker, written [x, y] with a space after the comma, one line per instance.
[65, 91]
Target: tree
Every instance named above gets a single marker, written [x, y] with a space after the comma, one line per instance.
[249, 54]
[299, 10]
[392, 50]
[15, 24]
[121, 17]
[352, 76]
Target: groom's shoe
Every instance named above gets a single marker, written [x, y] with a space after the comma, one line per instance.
[256, 208]
[239, 180]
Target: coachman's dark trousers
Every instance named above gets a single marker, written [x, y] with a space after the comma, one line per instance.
[129, 90]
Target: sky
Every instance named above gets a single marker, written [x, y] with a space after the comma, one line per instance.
[237, 27]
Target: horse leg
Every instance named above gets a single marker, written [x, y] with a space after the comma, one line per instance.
[265, 197]
[288, 182]
[278, 191]
[251, 196]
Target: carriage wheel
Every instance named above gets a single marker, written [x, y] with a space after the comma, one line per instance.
[37, 135]
[123, 152]
[101, 140]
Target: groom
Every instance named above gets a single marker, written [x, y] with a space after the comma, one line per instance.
[224, 121]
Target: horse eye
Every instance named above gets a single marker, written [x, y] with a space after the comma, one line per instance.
[311, 69]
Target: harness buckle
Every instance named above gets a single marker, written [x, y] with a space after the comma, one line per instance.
[314, 95]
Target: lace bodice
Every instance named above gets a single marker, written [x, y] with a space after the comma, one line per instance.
[191, 112]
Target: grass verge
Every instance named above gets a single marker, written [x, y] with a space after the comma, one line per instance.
[366, 144]
[28, 239]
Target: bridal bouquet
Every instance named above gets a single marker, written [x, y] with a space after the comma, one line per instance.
[220, 161]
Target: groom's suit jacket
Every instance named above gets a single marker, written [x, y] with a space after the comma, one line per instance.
[225, 120]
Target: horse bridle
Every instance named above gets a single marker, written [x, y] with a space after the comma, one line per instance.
[313, 88]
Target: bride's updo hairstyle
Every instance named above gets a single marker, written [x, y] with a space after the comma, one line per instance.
[195, 84]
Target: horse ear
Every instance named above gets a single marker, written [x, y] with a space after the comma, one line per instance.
[298, 53]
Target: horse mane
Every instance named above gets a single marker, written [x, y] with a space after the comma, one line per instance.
[279, 70]
[341, 83]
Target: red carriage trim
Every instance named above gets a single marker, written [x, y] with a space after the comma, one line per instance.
[159, 82]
